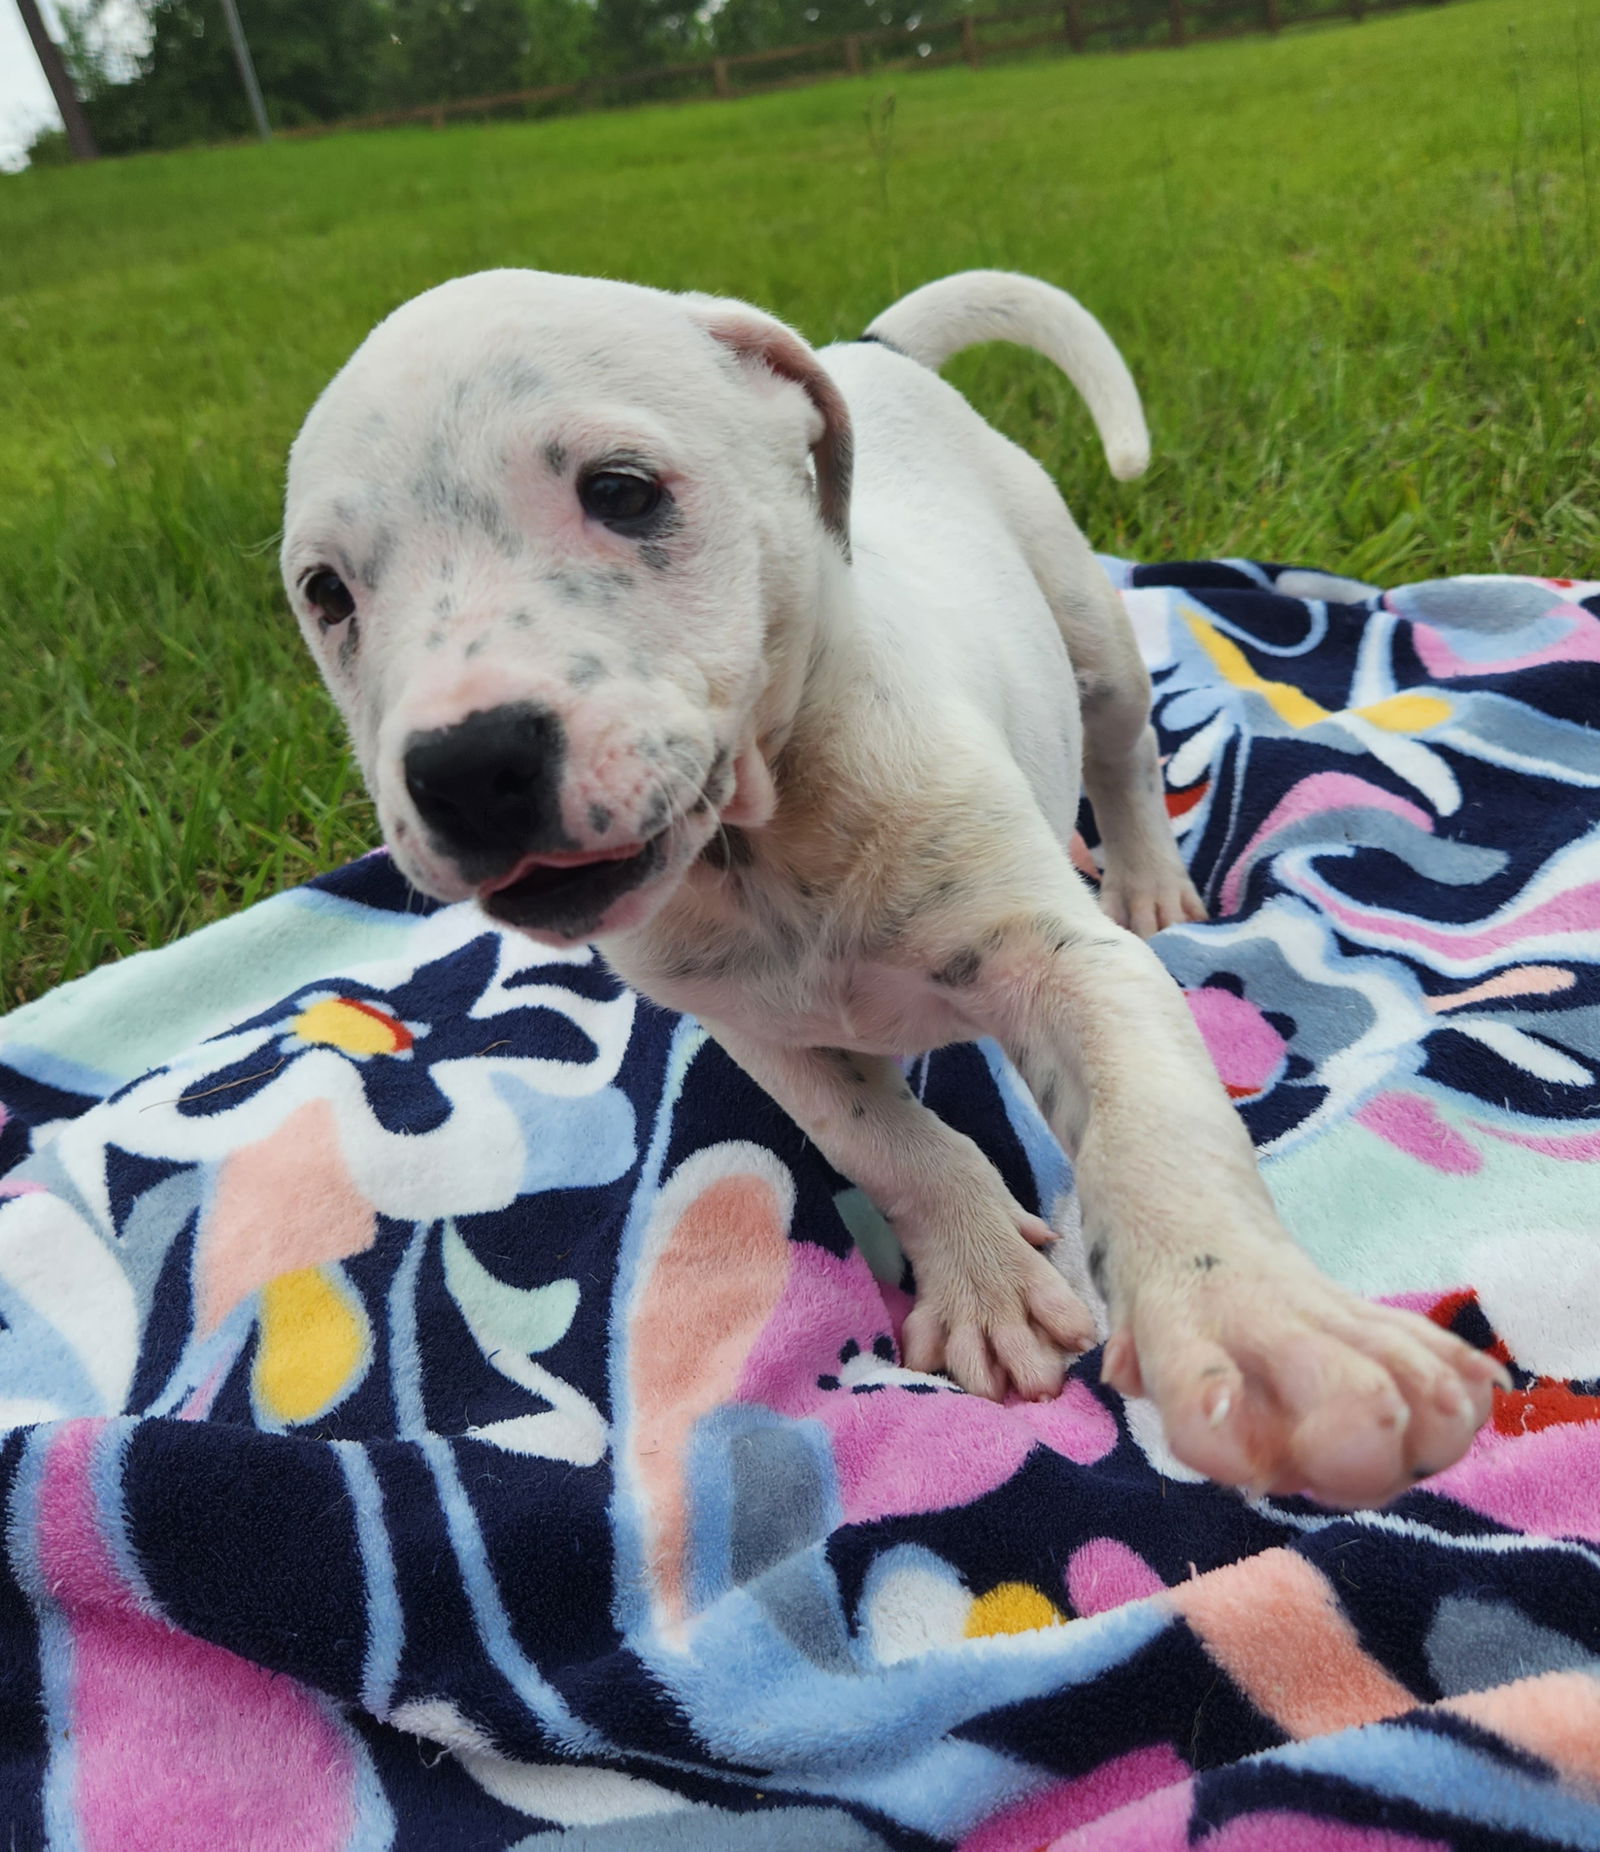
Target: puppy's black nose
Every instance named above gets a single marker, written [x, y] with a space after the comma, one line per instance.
[489, 788]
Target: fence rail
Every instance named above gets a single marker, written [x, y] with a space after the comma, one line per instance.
[1076, 26]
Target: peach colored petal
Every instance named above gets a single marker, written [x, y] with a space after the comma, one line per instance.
[281, 1205]
[714, 1285]
[1518, 981]
[1555, 1717]
[1276, 1628]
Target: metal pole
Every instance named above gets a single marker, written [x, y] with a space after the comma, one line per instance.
[80, 138]
[247, 70]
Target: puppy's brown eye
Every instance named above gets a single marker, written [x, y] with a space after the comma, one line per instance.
[619, 497]
[329, 596]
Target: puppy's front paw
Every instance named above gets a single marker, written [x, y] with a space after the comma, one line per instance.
[1269, 1376]
[1147, 901]
[992, 1312]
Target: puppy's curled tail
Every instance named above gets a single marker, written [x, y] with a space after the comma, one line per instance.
[940, 319]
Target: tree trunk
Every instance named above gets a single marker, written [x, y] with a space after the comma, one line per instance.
[1073, 22]
[79, 136]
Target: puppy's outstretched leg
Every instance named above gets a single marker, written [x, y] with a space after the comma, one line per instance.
[990, 1309]
[1266, 1373]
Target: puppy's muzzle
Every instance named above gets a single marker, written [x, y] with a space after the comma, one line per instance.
[488, 792]
[488, 789]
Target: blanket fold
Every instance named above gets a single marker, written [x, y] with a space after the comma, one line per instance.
[446, 1404]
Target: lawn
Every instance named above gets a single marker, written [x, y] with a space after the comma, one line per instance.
[1353, 269]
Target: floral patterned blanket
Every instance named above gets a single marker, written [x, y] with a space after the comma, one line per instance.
[446, 1406]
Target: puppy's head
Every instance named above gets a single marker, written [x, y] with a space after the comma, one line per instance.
[552, 542]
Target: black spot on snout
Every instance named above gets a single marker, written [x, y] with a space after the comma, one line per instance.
[600, 819]
[585, 669]
[655, 814]
[555, 458]
[488, 789]
[680, 751]
[583, 587]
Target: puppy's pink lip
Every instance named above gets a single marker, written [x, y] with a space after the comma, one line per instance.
[559, 858]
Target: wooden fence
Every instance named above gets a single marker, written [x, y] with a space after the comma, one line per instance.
[969, 38]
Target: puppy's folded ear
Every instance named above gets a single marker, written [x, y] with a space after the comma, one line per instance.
[762, 340]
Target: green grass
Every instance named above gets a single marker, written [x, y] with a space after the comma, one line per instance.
[1354, 270]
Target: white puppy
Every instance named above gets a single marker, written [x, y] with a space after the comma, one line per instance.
[629, 651]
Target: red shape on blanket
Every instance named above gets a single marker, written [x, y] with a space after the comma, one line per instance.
[1545, 1403]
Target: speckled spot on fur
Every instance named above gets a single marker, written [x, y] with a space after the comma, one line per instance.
[513, 378]
[655, 813]
[350, 643]
[682, 752]
[961, 969]
[377, 561]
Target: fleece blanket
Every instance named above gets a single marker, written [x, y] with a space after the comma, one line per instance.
[446, 1406]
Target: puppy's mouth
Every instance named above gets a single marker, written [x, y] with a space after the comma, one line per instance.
[570, 892]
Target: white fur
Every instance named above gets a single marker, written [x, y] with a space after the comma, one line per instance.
[862, 716]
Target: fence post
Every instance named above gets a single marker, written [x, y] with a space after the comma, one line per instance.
[969, 41]
[719, 77]
[852, 54]
[438, 118]
[1274, 18]
[1074, 24]
[1179, 32]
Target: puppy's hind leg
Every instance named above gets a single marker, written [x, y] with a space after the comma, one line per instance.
[1145, 885]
